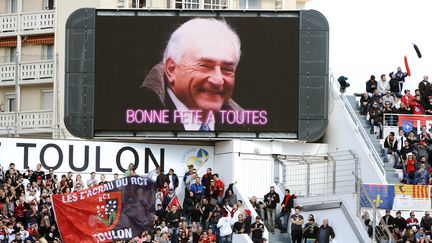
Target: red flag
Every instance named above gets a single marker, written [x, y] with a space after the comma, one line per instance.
[174, 202]
[407, 66]
[117, 210]
[416, 120]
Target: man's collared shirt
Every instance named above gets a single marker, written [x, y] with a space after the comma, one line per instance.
[181, 107]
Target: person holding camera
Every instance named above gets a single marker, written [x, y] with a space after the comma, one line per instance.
[310, 231]
[271, 200]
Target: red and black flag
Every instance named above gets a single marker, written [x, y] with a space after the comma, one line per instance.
[117, 210]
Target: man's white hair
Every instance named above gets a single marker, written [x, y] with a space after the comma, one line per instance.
[196, 28]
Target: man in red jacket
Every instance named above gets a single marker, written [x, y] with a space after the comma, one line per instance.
[220, 186]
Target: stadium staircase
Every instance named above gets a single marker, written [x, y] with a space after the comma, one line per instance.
[391, 175]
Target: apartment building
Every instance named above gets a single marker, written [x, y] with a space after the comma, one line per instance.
[32, 51]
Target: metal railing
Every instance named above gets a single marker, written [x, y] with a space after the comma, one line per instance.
[31, 71]
[30, 21]
[27, 121]
[8, 23]
[319, 175]
[358, 125]
[394, 122]
[379, 229]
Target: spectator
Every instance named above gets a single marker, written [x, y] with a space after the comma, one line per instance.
[390, 147]
[412, 220]
[424, 87]
[206, 178]
[376, 97]
[173, 179]
[388, 97]
[426, 222]
[39, 172]
[389, 118]
[376, 118]
[239, 226]
[400, 76]
[365, 101]
[271, 199]
[131, 170]
[173, 219]
[102, 180]
[325, 233]
[410, 169]
[257, 229]
[197, 189]
[297, 226]
[225, 231]
[407, 98]
[420, 236]
[371, 85]
[407, 148]
[162, 180]
[387, 221]
[397, 235]
[212, 192]
[412, 137]
[311, 230]
[78, 181]
[206, 209]
[69, 180]
[400, 222]
[230, 198]
[422, 176]
[92, 181]
[286, 205]
[428, 106]
[383, 85]
[404, 109]
[410, 235]
[394, 85]
[220, 186]
[417, 106]
[422, 150]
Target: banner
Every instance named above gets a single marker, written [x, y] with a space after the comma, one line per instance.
[117, 210]
[411, 197]
[409, 123]
[85, 157]
[395, 197]
[380, 196]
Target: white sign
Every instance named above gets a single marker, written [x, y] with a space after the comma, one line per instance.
[85, 157]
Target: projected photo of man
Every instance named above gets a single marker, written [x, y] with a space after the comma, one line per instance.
[197, 73]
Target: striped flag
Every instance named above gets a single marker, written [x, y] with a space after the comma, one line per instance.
[413, 191]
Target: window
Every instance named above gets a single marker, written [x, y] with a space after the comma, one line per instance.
[10, 102]
[47, 100]
[215, 4]
[11, 55]
[249, 4]
[13, 6]
[139, 3]
[201, 4]
[49, 4]
[49, 51]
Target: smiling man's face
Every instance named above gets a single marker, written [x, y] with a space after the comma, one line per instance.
[204, 78]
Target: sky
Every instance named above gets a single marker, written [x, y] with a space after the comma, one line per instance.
[371, 37]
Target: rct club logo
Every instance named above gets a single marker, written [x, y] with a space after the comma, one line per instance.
[107, 211]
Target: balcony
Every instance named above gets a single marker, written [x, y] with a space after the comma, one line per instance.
[34, 72]
[31, 23]
[28, 122]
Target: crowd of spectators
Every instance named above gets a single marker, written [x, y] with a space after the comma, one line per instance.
[209, 213]
[407, 150]
[410, 230]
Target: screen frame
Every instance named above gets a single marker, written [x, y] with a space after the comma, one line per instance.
[313, 74]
